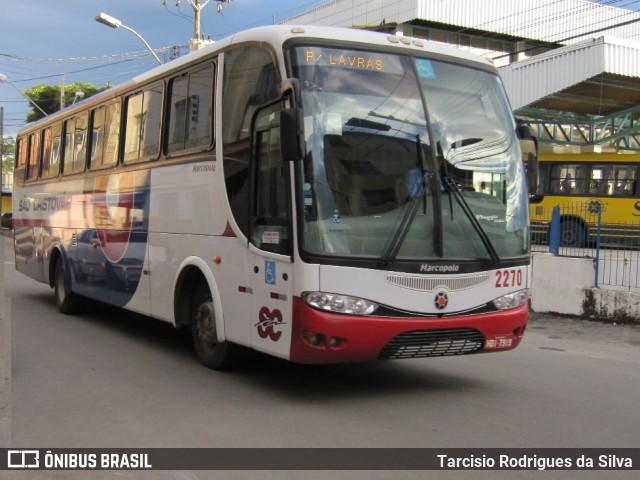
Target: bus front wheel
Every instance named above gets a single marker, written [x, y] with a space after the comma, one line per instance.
[210, 351]
[572, 234]
[66, 300]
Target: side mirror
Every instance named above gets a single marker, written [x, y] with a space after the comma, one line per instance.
[531, 167]
[291, 121]
[529, 146]
[291, 134]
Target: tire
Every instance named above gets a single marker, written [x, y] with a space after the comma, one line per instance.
[572, 234]
[211, 352]
[66, 300]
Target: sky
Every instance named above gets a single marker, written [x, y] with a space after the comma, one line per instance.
[42, 39]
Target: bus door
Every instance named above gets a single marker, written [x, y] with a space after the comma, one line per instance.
[270, 244]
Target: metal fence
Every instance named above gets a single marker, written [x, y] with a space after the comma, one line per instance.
[578, 231]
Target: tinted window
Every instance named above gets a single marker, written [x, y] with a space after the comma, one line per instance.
[34, 156]
[190, 120]
[75, 144]
[51, 152]
[250, 80]
[144, 116]
[568, 179]
[105, 131]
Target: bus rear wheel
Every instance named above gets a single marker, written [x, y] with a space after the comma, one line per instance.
[66, 300]
[572, 234]
[210, 351]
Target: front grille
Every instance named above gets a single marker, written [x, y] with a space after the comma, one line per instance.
[424, 283]
[433, 343]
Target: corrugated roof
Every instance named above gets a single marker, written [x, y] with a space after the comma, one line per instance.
[543, 20]
[595, 77]
[591, 76]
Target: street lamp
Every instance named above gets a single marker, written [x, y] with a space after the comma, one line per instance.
[77, 96]
[109, 21]
[4, 79]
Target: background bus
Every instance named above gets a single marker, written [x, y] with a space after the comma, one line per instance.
[583, 184]
[288, 190]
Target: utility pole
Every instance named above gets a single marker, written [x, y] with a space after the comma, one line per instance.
[198, 40]
[61, 91]
[197, 7]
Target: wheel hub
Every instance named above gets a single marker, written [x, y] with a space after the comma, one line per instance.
[205, 324]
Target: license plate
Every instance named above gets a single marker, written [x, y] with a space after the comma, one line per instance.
[496, 342]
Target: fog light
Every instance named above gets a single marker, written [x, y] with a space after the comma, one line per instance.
[314, 339]
[336, 342]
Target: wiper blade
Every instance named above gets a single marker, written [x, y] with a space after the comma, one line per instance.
[401, 232]
[412, 204]
[453, 189]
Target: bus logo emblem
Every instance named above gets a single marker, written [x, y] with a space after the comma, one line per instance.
[441, 300]
[269, 320]
[595, 206]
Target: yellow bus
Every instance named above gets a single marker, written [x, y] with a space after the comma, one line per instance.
[585, 185]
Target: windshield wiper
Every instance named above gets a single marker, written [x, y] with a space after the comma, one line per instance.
[455, 191]
[412, 204]
[401, 232]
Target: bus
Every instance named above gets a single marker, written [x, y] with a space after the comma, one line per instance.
[318, 194]
[588, 187]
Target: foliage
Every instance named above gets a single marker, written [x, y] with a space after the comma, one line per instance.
[47, 97]
[8, 152]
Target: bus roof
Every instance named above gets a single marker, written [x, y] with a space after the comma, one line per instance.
[278, 35]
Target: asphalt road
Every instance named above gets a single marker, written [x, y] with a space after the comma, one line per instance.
[108, 378]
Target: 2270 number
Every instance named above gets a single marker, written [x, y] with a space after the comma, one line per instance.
[509, 278]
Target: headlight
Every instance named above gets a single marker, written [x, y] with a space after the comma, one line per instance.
[511, 300]
[333, 302]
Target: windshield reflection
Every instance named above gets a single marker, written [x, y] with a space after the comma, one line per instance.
[370, 155]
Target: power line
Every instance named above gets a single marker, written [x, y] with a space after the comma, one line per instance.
[98, 59]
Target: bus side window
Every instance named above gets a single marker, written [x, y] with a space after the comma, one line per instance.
[624, 180]
[581, 184]
[142, 130]
[559, 182]
[75, 144]
[97, 138]
[105, 129]
[22, 154]
[568, 179]
[543, 174]
[67, 156]
[191, 115]
[597, 182]
[250, 76]
[179, 99]
[33, 166]
[51, 152]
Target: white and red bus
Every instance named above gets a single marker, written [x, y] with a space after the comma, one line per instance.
[319, 194]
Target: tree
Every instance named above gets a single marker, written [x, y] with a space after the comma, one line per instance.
[47, 97]
[8, 152]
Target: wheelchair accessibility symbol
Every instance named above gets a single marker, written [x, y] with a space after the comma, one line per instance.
[269, 272]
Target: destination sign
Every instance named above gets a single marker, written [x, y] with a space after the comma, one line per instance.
[343, 59]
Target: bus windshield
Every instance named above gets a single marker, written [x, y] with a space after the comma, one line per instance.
[407, 159]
